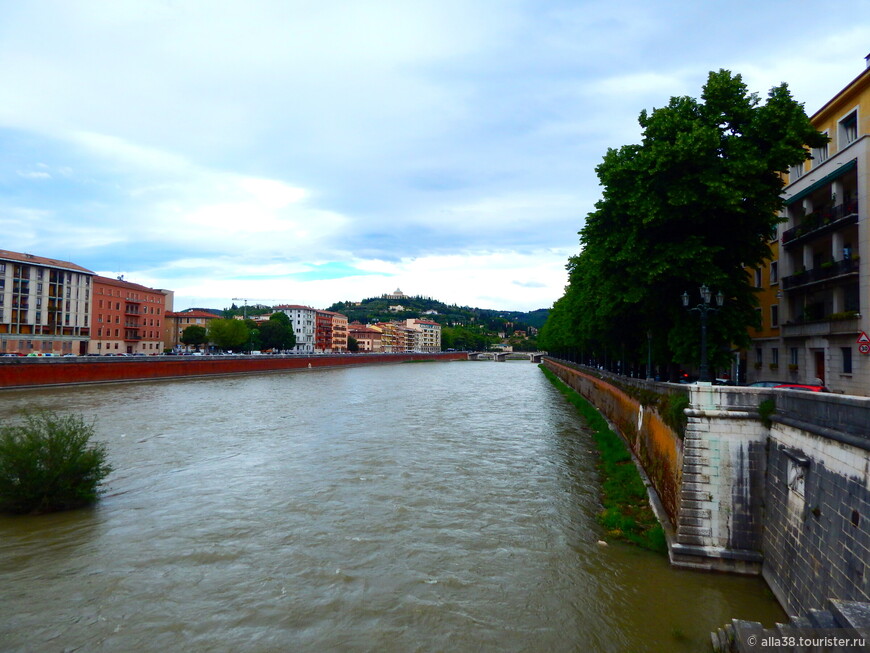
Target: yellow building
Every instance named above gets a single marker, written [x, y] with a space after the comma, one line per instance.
[816, 312]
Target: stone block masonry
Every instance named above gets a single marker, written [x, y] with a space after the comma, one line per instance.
[817, 516]
[785, 494]
[721, 520]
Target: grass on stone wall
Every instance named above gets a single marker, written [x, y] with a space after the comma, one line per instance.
[627, 514]
[47, 464]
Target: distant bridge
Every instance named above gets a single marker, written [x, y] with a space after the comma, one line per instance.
[501, 356]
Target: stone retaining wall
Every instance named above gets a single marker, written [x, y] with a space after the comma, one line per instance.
[658, 448]
[785, 494]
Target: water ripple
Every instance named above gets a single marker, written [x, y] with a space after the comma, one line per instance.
[404, 508]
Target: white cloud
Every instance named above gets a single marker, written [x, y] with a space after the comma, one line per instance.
[447, 146]
[34, 174]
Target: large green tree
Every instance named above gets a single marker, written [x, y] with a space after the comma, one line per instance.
[694, 203]
[277, 332]
[194, 335]
[228, 333]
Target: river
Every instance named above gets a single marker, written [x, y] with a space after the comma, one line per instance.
[413, 507]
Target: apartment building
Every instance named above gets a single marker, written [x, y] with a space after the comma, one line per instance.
[44, 305]
[303, 319]
[815, 313]
[330, 331]
[339, 331]
[127, 318]
[429, 335]
[176, 322]
[391, 339]
[368, 337]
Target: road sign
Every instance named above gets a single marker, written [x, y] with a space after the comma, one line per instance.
[864, 348]
[863, 339]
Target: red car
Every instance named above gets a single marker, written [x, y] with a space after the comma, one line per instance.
[803, 386]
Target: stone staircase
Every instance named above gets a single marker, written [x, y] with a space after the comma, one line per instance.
[695, 497]
[696, 501]
[695, 546]
[842, 619]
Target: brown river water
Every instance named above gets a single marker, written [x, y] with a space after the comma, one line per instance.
[415, 507]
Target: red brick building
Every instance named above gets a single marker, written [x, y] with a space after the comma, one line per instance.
[127, 318]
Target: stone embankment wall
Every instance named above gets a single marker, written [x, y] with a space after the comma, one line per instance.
[817, 500]
[657, 446]
[768, 481]
[722, 495]
[26, 372]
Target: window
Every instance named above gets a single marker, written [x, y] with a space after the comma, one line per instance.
[852, 298]
[774, 272]
[759, 355]
[758, 321]
[820, 154]
[795, 172]
[848, 129]
[774, 315]
[793, 356]
[847, 359]
[774, 356]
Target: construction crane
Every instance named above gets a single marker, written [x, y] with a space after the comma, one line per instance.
[247, 299]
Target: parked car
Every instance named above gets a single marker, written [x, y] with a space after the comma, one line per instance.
[765, 384]
[808, 387]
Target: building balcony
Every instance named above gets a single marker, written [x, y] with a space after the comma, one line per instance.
[821, 222]
[828, 327]
[826, 271]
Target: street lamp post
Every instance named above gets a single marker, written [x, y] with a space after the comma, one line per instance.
[649, 374]
[704, 308]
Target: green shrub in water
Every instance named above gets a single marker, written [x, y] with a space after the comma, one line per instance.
[47, 463]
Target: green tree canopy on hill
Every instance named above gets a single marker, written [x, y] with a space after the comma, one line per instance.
[693, 203]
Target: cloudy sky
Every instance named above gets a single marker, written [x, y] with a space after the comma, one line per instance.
[311, 151]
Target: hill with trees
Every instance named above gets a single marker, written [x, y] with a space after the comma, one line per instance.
[462, 327]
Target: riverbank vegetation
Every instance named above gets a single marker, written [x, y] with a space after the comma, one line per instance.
[627, 514]
[48, 463]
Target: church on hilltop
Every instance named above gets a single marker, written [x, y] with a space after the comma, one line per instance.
[398, 294]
